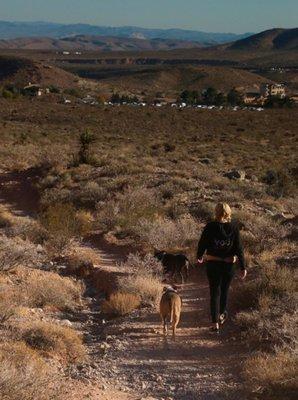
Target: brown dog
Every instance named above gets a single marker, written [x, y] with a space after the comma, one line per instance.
[170, 306]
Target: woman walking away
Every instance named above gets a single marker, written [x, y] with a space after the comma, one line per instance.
[221, 242]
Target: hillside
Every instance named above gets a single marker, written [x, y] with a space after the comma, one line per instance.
[273, 39]
[21, 71]
[77, 180]
[96, 43]
[172, 80]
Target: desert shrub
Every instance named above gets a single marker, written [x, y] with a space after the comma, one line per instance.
[53, 340]
[86, 139]
[277, 281]
[273, 319]
[80, 261]
[27, 229]
[107, 216]
[260, 232]
[49, 181]
[35, 288]
[63, 224]
[148, 287]
[84, 221]
[165, 234]
[129, 207]
[281, 183]
[175, 209]
[246, 295]
[167, 191]
[144, 279]
[6, 218]
[273, 326]
[53, 158]
[169, 147]
[7, 303]
[14, 252]
[73, 92]
[120, 304]
[56, 195]
[7, 94]
[273, 375]
[25, 375]
[147, 265]
[203, 210]
[54, 89]
[91, 194]
[49, 289]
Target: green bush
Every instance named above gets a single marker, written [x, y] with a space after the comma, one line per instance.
[63, 223]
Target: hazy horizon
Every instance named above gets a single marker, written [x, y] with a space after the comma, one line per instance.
[224, 16]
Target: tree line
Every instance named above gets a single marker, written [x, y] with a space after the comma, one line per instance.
[213, 97]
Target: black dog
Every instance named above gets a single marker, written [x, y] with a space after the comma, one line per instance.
[175, 264]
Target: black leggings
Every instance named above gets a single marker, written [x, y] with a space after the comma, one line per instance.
[220, 275]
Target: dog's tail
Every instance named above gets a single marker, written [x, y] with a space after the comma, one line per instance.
[172, 314]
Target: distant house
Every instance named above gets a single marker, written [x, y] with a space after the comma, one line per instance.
[89, 100]
[275, 89]
[252, 97]
[295, 98]
[35, 90]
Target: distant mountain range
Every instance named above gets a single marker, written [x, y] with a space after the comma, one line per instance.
[12, 30]
[96, 43]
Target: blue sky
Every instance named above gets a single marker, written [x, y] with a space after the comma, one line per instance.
[207, 15]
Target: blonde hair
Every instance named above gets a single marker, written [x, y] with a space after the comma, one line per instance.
[223, 212]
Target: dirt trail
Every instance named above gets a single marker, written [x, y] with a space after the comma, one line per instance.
[129, 357]
[198, 365]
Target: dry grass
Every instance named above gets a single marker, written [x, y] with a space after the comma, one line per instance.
[128, 208]
[273, 376]
[147, 287]
[80, 261]
[35, 288]
[8, 302]
[120, 304]
[51, 289]
[25, 375]
[144, 279]
[143, 265]
[165, 234]
[15, 252]
[52, 340]
[273, 319]
[42, 289]
[6, 218]
[27, 229]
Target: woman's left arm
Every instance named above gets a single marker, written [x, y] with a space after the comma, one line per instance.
[202, 245]
[240, 253]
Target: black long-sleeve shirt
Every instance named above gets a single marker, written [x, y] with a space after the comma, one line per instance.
[221, 239]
